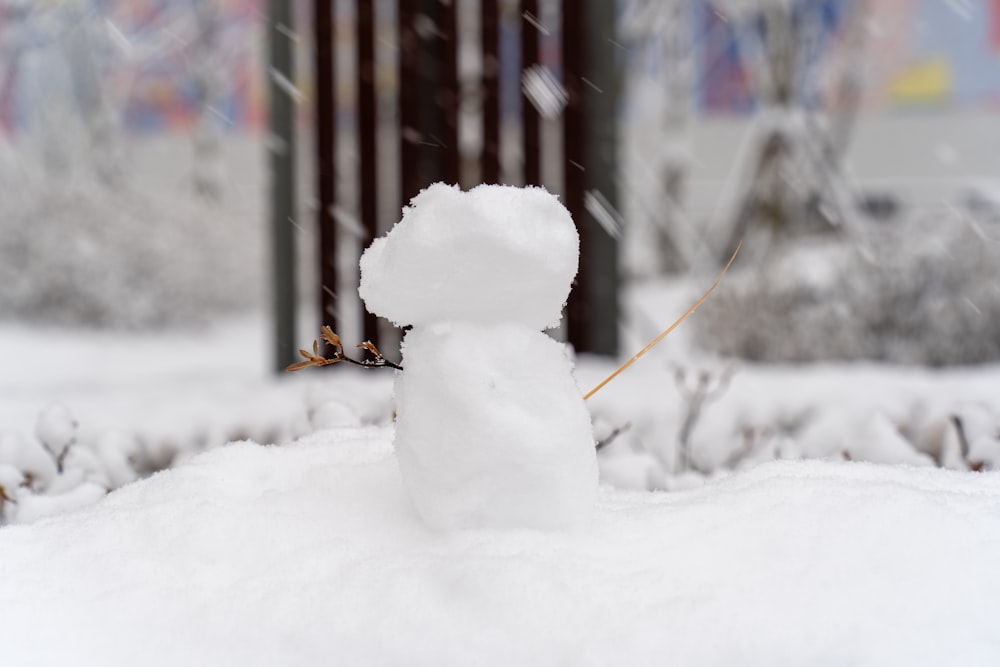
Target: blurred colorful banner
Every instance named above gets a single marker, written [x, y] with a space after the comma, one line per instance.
[919, 53]
[142, 54]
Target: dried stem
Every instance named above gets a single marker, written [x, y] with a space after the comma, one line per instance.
[656, 341]
[704, 390]
[610, 437]
[314, 358]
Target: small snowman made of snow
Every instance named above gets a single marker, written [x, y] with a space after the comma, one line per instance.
[491, 430]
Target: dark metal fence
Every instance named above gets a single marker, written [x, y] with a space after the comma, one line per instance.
[428, 102]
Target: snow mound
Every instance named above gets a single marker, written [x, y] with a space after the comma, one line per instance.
[492, 430]
[480, 256]
[311, 553]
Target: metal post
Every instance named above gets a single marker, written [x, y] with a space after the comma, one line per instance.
[530, 127]
[448, 92]
[491, 91]
[367, 136]
[589, 126]
[428, 81]
[411, 74]
[326, 160]
[282, 163]
[578, 308]
[601, 89]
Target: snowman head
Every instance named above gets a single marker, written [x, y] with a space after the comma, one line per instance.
[496, 254]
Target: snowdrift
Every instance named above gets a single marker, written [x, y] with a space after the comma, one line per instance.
[311, 554]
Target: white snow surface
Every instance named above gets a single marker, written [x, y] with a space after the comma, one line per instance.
[492, 430]
[311, 554]
[495, 254]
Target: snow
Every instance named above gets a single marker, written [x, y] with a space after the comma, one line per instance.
[29, 458]
[314, 551]
[494, 254]
[311, 552]
[544, 91]
[76, 254]
[492, 430]
[56, 429]
[146, 402]
[166, 388]
[32, 507]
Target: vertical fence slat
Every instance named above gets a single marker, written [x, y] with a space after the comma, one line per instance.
[428, 105]
[448, 93]
[530, 132]
[428, 80]
[491, 91]
[411, 56]
[367, 137]
[283, 172]
[589, 125]
[578, 308]
[602, 172]
[326, 160]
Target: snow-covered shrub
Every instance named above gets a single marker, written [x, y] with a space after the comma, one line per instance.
[56, 472]
[926, 291]
[961, 437]
[948, 418]
[125, 259]
[48, 476]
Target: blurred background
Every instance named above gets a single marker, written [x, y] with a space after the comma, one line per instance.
[136, 176]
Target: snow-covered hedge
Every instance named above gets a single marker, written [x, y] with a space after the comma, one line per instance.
[124, 259]
[926, 291]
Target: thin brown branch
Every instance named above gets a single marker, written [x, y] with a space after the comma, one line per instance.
[656, 341]
[314, 358]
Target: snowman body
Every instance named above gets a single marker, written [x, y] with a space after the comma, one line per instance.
[491, 429]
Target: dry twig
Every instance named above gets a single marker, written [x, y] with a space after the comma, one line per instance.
[314, 358]
[656, 341]
[610, 437]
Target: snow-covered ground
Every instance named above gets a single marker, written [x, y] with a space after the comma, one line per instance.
[311, 551]
[312, 554]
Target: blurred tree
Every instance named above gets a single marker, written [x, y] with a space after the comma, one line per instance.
[796, 179]
[669, 23]
[208, 78]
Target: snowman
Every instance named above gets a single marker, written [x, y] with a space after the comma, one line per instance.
[491, 430]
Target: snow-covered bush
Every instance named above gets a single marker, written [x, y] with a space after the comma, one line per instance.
[127, 259]
[48, 476]
[926, 291]
[58, 470]
[55, 472]
[649, 458]
[649, 437]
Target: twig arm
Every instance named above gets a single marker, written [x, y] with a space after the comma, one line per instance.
[314, 358]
